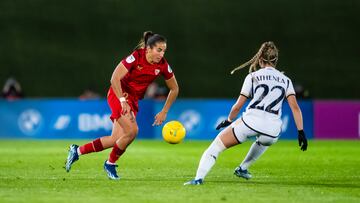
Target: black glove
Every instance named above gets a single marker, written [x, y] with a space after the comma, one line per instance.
[223, 124]
[302, 140]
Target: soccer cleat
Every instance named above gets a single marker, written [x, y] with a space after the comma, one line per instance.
[194, 182]
[242, 173]
[72, 157]
[110, 169]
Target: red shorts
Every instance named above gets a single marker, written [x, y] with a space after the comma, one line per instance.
[115, 105]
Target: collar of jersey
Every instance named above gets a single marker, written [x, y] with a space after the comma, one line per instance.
[269, 67]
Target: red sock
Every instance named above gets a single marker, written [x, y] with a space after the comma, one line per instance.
[116, 152]
[94, 146]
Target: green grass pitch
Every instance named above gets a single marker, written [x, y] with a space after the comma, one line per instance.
[154, 171]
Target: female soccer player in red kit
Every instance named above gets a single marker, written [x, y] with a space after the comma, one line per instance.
[129, 82]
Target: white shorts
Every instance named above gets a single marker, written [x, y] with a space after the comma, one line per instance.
[243, 132]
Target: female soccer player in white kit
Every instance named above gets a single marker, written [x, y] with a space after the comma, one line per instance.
[267, 88]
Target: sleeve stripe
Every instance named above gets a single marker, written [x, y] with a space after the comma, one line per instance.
[244, 95]
[290, 95]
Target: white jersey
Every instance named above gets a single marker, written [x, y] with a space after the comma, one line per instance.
[267, 89]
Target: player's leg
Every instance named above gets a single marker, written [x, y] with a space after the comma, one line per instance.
[129, 130]
[75, 151]
[256, 150]
[127, 134]
[224, 140]
[99, 144]
[96, 145]
[105, 142]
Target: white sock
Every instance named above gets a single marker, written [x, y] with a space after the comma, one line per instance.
[78, 151]
[208, 158]
[108, 162]
[256, 150]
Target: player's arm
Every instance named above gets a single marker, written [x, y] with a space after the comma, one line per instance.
[173, 93]
[245, 93]
[235, 109]
[296, 111]
[119, 72]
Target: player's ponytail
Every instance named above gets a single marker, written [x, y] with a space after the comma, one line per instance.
[144, 39]
[267, 53]
[149, 39]
[253, 62]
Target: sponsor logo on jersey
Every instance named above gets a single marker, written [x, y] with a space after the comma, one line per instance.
[157, 71]
[169, 69]
[139, 67]
[130, 59]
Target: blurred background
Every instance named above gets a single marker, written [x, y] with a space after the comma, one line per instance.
[65, 50]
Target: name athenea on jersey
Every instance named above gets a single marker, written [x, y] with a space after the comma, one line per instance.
[270, 77]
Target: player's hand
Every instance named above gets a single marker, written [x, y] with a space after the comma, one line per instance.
[160, 118]
[223, 124]
[125, 108]
[302, 140]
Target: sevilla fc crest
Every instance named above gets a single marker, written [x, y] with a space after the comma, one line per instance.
[157, 71]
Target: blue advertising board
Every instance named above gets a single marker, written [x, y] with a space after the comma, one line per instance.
[53, 119]
[200, 117]
[89, 119]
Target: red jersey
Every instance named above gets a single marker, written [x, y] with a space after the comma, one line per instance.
[141, 73]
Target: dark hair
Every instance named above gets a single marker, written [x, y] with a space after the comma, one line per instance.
[150, 39]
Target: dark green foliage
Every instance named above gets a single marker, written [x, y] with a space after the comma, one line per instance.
[59, 48]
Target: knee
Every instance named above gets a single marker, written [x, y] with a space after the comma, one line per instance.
[266, 141]
[216, 147]
[135, 131]
[132, 132]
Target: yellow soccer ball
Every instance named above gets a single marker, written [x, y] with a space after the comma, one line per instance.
[173, 132]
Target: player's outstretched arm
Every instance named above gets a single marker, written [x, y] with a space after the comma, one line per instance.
[173, 93]
[296, 111]
[235, 109]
